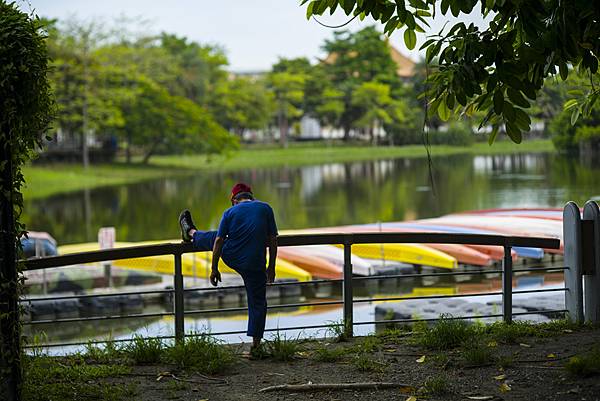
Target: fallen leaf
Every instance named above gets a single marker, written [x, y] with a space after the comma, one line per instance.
[421, 359]
[411, 398]
[492, 344]
[550, 356]
[407, 389]
[480, 397]
[390, 350]
[567, 331]
[500, 377]
[525, 345]
[505, 388]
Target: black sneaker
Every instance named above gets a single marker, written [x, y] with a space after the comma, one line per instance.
[186, 224]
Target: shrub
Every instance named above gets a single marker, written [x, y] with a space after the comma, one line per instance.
[202, 352]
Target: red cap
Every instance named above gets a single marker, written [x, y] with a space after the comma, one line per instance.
[239, 188]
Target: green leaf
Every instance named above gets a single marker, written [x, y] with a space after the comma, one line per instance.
[516, 97]
[493, 135]
[498, 101]
[410, 38]
[443, 111]
[564, 71]
[348, 6]
[309, 10]
[508, 111]
[575, 115]
[444, 7]
[570, 104]
[513, 132]
[522, 120]
[450, 101]
[427, 43]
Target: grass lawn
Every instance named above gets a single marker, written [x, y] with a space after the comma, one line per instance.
[46, 180]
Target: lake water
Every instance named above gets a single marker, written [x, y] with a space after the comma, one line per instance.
[311, 196]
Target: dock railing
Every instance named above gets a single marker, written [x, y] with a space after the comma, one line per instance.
[348, 300]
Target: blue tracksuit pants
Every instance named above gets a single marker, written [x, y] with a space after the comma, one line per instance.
[255, 282]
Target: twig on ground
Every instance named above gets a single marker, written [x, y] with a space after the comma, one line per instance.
[336, 386]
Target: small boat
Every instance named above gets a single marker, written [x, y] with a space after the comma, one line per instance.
[414, 254]
[498, 251]
[360, 266]
[192, 264]
[318, 267]
[517, 226]
[462, 253]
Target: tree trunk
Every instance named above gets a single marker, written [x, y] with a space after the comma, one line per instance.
[128, 149]
[283, 128]
[150, 151]
[10, 336]
[346, 133]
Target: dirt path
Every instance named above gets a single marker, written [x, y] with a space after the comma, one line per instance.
[532, 369]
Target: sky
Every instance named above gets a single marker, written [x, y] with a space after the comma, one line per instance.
[254, 33]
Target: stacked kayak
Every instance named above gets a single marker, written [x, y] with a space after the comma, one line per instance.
[192, 264]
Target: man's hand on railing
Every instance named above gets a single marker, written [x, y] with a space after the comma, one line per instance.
[215, 277]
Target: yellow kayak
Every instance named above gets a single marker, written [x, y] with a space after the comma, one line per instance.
[415, 254]
[192, 264]
[407, 253]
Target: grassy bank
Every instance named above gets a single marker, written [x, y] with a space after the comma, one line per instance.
[450, 360]
[46, 180]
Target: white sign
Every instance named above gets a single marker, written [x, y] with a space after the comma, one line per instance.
[106, 237]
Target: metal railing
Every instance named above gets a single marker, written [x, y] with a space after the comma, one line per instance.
[348, 301]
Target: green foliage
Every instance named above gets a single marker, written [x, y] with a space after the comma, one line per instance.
[456, 133]
[281, 348]
[25, 112]
[337, 330]
[365, 363]
[201, 352]
[477, 354]
[513, 332]
[153, 94]
[437, 385]
[107, 353]
[363, 75]
[241, 103]
[329, 354]
[499, 69]
[586, 364]
[446, 333]
[71, 379]
[145, 350]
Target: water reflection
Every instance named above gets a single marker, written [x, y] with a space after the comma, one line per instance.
[322, 195]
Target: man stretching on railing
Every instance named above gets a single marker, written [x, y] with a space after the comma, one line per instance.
[246, 229]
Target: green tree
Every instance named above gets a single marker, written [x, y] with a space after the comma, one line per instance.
[373, 99]
[201, 67]
[25, 110]
[288, 94]
[353, 59]
[242, 103]
[499, 69]
[85, 105]
[159, 121]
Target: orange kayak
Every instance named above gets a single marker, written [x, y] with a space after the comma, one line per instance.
[316, 266]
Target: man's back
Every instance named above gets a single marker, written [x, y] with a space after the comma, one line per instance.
[246, 228]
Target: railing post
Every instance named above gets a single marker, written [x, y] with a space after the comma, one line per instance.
[573, 262]
[507, 275]
[178, 285]
[347, 289]
[590, 247]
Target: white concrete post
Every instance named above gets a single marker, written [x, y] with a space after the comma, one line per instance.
[591, 262]
[572, 252]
